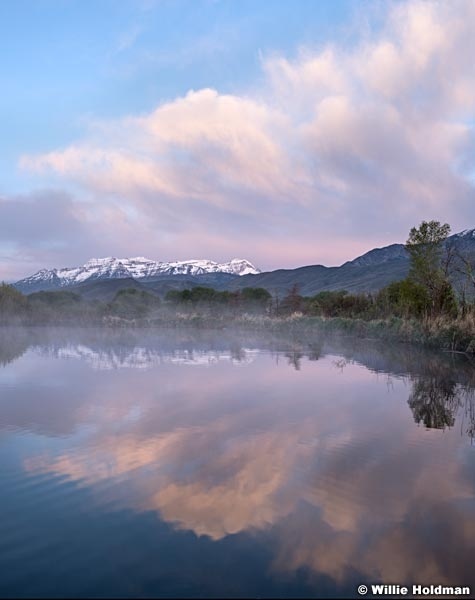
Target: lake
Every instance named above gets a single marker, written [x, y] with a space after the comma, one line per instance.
[225, 464]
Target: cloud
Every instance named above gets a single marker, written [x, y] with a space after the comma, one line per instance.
[198, 147]
[35, 228]
[338, 150]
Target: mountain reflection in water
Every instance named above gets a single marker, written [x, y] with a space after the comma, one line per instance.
[219, 464]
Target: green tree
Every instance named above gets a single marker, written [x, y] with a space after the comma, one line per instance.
[425, 245]
[405, 298]
[256, 299]
[131, 303]
[251, 294]
[176, 296]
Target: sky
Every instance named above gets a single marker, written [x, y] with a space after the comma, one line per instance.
[287, 133]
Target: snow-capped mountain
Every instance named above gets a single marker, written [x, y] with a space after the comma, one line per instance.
[136, 268]
[367, 273]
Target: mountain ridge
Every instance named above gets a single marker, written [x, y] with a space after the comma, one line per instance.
[366, 273]
[139, 268]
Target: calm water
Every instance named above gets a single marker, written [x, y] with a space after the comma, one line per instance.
[138, 464]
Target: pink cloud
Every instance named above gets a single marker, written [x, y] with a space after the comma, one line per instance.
[338, 149]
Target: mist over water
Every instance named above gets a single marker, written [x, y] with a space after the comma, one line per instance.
[211, 463]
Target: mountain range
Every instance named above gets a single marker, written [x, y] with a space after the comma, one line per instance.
[139, 268]
[102, 278]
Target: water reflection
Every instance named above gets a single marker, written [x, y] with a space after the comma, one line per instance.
[13, 343]
[434, 402]
[299, 446]
[437, 397]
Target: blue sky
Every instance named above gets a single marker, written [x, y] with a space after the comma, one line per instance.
[287, 133]
[63, 62]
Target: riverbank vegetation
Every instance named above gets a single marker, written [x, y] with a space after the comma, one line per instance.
[425, 307]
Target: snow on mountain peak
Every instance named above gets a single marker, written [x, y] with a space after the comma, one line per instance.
[137, 268]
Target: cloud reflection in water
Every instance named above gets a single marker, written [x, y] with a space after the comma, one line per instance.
[328, 459]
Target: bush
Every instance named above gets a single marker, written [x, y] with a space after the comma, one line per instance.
[57, 307]
[340, 304]
[404, 298]
[133, 304]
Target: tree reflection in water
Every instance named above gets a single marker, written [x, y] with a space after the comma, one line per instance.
[13, 344]
[437, 398]
[434, 402]
[443, 385]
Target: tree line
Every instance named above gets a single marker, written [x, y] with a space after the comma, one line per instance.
[128, 304]
[427, 293]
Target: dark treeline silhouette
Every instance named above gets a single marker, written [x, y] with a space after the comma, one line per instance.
[404, 303]
[67, 307]
[257, 300]
[424, 307]
[133, 304]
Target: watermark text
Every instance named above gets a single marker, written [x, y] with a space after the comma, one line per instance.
[413, 590]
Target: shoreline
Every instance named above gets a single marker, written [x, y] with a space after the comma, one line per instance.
[456, 336]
